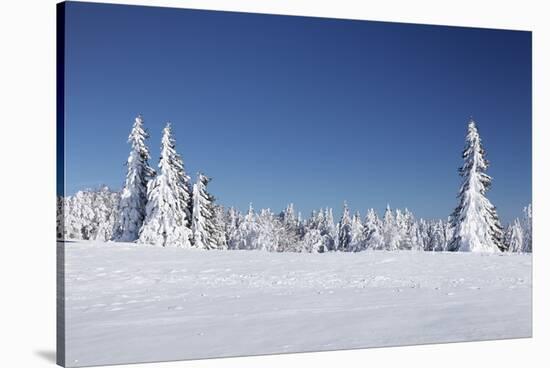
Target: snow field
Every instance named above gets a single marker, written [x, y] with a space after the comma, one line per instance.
[128, 303]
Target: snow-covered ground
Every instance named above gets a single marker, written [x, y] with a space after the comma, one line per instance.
[127, 303]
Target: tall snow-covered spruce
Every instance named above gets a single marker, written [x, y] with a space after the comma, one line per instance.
[475, 223]
[206, 232]
[168, 217]
[134, 194]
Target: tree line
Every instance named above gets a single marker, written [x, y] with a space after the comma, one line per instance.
[164, 208]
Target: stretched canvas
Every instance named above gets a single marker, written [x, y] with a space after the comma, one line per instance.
[238, 184]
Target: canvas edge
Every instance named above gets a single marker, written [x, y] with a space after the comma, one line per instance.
[60, 180]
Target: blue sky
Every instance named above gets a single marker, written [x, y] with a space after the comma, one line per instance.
[312, 111]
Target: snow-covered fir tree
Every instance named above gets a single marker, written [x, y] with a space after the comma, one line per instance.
[269, 231]
[290, 234]
[445, 230]
[206, 232]
[436, 236]
[167, 221]
[79, 216]
[71, 229]
[411, 238]
[330, 229]
[513, 237]
[105, 202]
[219, 235]
[325, 224]
[248, 231]
[400, 229]
[313, 242]
[414, 237]
[84, 210]
[72, 222]
[134, 194]
[527, 225]
[372, 229]
[429, 241]
[357, 241]
[232, 222]
[423, 234]
[476, 226]
[344, 230]
[315, 237]
[390, 230]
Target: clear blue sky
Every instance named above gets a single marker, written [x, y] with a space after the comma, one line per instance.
[312, 111]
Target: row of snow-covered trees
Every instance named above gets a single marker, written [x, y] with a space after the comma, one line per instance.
[165, 209]
[397, 230]
[92, 215]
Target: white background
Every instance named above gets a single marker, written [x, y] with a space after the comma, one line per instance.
[27, 180]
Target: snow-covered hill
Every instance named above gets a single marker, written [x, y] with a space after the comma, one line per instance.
[127, 303]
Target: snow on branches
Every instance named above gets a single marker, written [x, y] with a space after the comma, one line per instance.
[168, 197]
[475, 221]
[206, 226]
[134, 194]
